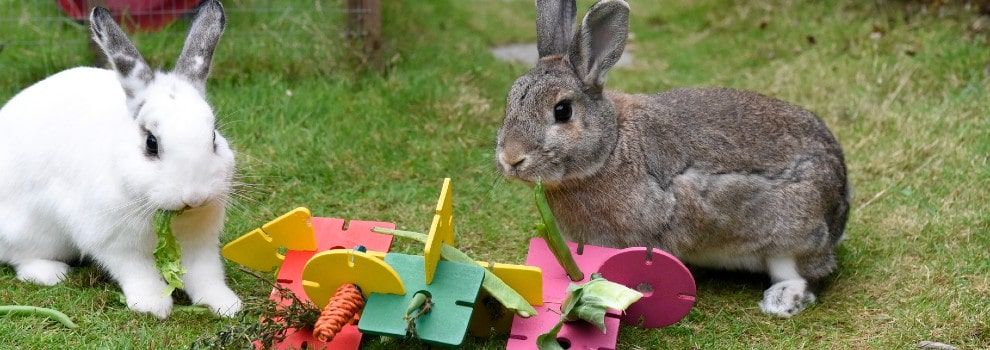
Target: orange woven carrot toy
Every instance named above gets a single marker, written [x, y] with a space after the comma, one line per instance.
[342, 309]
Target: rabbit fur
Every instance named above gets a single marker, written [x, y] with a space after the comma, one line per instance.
[88, 155]
[718, 177]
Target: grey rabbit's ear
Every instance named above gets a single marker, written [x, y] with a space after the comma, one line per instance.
[197, 54]
[132, 71]
[554, 26]
[599, 41]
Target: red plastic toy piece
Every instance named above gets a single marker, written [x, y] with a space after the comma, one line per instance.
[330, 234]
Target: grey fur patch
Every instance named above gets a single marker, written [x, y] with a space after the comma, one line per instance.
[525, 91]
[600, 41]
[554, 26]
[137, 111]
[124, 65]
[197, 53]
[132, 70]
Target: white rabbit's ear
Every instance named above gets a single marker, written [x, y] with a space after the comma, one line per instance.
[132, 70]
[554, 26]
[197, 54]
[599, 41]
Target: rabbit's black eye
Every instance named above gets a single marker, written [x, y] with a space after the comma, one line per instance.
[562, 111]
[151, 146]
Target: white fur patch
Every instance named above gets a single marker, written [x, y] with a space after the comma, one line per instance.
[787, 298]
[43, 272]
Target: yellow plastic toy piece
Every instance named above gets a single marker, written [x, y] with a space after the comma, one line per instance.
[292, 230]
[327, 270]
[526, 280]
[258, 249]
[255, 251]
[441, 231]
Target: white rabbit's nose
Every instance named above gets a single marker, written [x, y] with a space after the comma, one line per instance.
[194, 200]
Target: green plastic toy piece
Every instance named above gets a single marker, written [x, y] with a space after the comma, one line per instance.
[453, 293]
[495, 286]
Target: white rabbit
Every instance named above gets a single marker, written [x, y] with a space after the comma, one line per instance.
[87, 156]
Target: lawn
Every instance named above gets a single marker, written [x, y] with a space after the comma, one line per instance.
[904, 86]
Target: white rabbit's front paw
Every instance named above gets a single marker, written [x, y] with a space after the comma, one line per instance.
[221, 300]
[786, 298]
[43, 272]
[155, 304]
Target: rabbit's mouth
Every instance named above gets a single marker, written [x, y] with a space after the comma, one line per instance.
[541, 171]
[527, 165]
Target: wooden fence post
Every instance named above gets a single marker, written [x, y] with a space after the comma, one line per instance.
[364, 28]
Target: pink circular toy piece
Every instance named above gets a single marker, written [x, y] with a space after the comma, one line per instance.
[667, 286]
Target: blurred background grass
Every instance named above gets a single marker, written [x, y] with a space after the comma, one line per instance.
[903, 84]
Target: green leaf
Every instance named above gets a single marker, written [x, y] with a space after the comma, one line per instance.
[613, 295]
[549, 341]
[551, 234]
[590, 302]
[168, 254]
[590, 309]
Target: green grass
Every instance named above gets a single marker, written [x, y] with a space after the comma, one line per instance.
[910, 107]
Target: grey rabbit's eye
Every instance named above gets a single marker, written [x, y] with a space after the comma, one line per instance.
[151, 146]
[562, 111]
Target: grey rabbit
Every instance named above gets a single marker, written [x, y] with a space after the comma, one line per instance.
[718, 177]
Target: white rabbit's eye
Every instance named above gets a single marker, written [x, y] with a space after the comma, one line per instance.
[151, 146]
[562, 111]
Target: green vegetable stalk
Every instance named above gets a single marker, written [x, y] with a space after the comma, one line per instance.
[492, 284]
[168, 254]
[551, 234]
[589, 302]
[38, 311]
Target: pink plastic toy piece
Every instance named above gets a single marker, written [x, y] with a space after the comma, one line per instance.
[330, 234]
[555, 282]
[578, 335]
[667, 285]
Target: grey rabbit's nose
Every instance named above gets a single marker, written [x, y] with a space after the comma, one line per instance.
[519, 162]
[514, 161]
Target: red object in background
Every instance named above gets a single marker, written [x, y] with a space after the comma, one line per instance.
[144, 15]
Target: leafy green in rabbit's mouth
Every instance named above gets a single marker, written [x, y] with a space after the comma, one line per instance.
[168, 254]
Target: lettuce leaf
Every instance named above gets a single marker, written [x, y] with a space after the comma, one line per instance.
[168, 254]
[589, 302]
